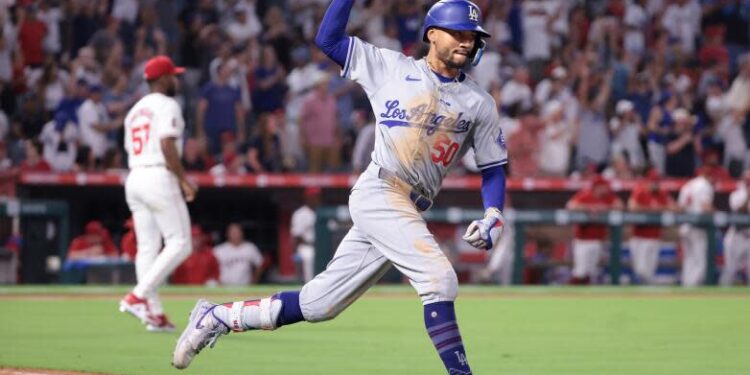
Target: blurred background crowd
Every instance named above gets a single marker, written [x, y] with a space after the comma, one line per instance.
[613, 86]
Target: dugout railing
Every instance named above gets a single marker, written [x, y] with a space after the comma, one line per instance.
[45, 227]
[328, 217]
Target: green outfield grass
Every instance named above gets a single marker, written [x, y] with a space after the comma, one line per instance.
[521, 331]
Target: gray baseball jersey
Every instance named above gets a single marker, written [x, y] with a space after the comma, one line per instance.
[424, 125]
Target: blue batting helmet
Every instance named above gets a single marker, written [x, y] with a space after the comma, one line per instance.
[461, 15]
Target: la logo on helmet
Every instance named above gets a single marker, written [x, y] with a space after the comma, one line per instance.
[473, 14]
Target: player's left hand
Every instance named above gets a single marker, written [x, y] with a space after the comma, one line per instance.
[484, 233]
[189, 190]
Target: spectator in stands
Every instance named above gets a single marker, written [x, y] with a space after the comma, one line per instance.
[85, 160]
[619, 168]
[537, 39]
[660, 124]
[201, 267]
[245, 24]
[738, 96]
[31, 34]
[195, 155]
[263, 152]
[712, 163]
[95, 243]
[117, 99]
[696, 197]
[682, 145]
[276, 33]
[365, 142]
[60, 140]
[220, 110]
[52, 85]
[30, 116]
[626, 128]
[518, 90]
[269, 90]
[646, 239]
[303, 233]
[713, 50]
[240, 261]
[86, 68]
[319, 127]
[95, 124]
[555, 140]
[5, 162]
[7, 46]
[232, 163]
[524, 145]
[593, 143]
[553, 88]
[730, 129]
[636, 25]
[34, 161]
[682, 20]
[589, 239]
[389, 38]
[408, 20]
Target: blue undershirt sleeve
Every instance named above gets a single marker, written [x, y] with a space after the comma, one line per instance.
[331, 37]
[493, 187]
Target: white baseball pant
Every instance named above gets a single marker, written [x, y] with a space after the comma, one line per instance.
[387, 230]
[694, 253]
[159, 212]
[736, 249]
[501, 260]
[644, 254]
[306, 255]
[586, 255]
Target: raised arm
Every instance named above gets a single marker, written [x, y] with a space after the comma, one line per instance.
[331, 37]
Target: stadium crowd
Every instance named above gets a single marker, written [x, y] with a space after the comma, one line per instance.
[613, 86]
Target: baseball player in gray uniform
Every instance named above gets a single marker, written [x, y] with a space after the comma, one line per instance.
[428, 113]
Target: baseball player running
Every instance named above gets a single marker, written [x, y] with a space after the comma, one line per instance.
[737, 239]
[429, 113]
[154, 191]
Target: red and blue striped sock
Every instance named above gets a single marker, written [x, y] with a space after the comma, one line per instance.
[440, 321]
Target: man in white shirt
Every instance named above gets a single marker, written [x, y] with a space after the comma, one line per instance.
[737, 239]
[682, 20]
[239, 260]
[517, 90]
[60, 138]
[156, 191]
[243, 28]
[696, 197]
[303, 232]
[94, 123]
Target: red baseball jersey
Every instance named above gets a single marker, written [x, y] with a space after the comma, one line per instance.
[197, 269]
[588, 200]
[652, 200]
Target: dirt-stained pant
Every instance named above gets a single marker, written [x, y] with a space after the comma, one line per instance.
[387, 230]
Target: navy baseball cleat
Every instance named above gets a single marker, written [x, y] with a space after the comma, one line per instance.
[203, 329]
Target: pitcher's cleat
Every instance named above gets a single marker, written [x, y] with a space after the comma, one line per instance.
[138, 307]
[160, 324]
[202, 329]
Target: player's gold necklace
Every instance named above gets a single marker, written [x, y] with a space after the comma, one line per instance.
[435, 71]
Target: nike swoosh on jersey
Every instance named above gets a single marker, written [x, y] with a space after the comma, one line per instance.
[412, 79]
